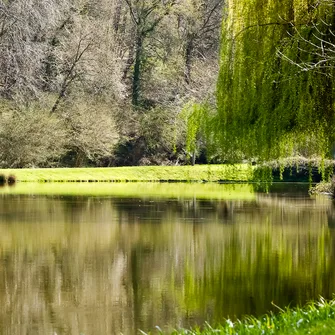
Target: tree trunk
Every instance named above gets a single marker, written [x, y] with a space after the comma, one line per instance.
[193, 158]
[188, 59]
[137, 70]
[117, 16]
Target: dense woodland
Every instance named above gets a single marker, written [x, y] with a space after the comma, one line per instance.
[134, 82]
[103, 82]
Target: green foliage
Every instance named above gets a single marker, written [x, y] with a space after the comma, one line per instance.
[163, 134]
[193, 114]
[269, 104]
[198, 118]
[151, 137]
[315, 318]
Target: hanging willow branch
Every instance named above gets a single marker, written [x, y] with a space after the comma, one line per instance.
[321, 51]
[274, 93]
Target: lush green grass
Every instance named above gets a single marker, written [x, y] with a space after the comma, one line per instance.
[314, 318]
[239, 172]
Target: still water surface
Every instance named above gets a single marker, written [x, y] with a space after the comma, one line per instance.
[115, 264]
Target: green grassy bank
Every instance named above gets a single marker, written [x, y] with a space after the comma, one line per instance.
[213, 173]
[314, 318]
[293, 169]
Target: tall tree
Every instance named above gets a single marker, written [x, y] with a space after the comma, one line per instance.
[146, 16]
[25, 26]
[199, 23]
[267, 106]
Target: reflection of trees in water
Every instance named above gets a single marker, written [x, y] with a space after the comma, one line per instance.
[191, 210]
[331, 216]
[61, 292]
[331, 226]
[93, 265]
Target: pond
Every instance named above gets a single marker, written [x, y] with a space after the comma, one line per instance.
[117, 258]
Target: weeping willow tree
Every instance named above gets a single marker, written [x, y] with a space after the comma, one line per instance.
[275, 92]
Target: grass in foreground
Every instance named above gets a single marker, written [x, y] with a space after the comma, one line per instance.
[314, 318]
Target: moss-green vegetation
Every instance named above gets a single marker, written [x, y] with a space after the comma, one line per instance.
[315, 318]
[269, 50]
[300, 169]
[242, 172]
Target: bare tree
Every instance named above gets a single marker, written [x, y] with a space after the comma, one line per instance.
[146, 16]
[199, 24]
[25, 26]
[92, 131]
[88, 54]
[315, 43]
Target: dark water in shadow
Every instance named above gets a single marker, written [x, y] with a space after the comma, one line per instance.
[111, 265]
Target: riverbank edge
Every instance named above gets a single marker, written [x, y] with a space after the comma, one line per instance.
[288, 170]
[327, 188]
[317, 317]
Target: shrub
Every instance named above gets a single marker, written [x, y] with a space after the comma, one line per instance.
[30, 138]
[92, 132]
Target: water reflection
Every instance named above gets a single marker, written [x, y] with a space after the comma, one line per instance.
[111, 265]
